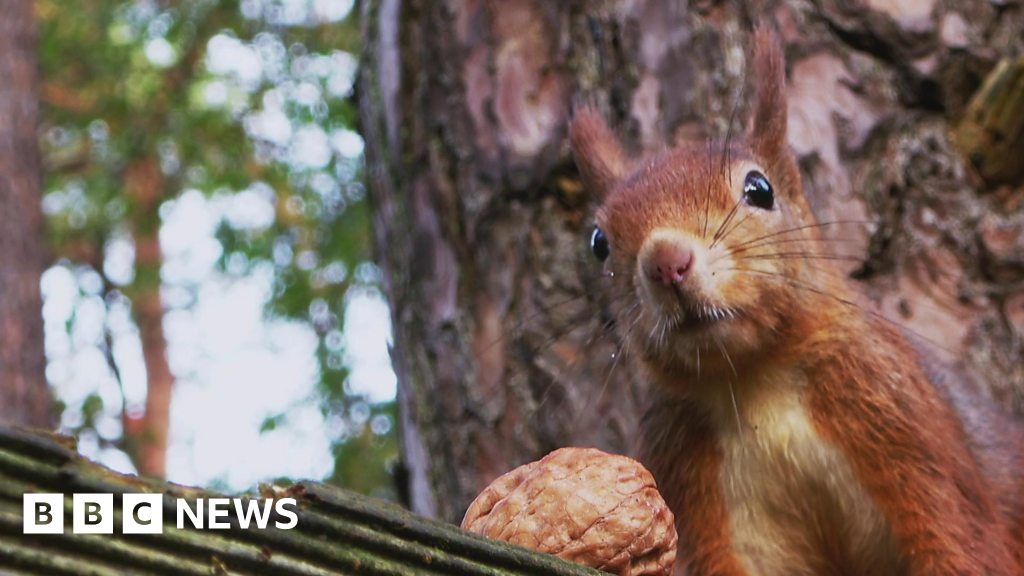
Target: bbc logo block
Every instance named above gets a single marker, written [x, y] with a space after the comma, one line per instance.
[92, 513]
[43, 514]
[144, 513]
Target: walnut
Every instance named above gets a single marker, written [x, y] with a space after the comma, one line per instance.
[582, 505]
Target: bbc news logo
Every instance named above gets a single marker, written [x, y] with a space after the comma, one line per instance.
[144, 513]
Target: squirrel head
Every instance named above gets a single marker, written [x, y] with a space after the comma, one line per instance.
[700, 241]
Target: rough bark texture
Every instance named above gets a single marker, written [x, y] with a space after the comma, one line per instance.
[500, 341]
[24, 396]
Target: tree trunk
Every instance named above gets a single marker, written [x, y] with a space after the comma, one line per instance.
[24, 395]
[149, 438]
[504, 346]
[146, 437]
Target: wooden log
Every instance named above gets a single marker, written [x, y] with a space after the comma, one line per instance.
[338, 532]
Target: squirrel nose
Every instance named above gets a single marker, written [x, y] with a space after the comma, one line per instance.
[668, 263]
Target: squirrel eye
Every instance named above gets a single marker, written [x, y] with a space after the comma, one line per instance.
[758, 191]
[599, 244]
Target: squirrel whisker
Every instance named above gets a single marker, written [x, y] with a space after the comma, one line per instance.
[847, 302]
[707, 195]
[623, 348]
[732, 389]
[803, 227]
[731, 230]
[725, 222]
[732, 250]
[800, 256]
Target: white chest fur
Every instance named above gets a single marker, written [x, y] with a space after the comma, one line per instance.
[793, 503]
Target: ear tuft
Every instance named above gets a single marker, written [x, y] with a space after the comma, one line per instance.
[768, 133]
[598, 153]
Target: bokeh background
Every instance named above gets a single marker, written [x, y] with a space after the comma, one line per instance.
[209, 233]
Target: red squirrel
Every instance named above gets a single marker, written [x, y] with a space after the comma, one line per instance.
[793, 432]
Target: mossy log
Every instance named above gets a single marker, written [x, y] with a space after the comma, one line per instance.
[338, 532]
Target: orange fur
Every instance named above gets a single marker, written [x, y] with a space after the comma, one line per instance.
[867, 461]
[703, 539]
[917, 465]
[598, 154]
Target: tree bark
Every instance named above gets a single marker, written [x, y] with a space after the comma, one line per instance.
[146, 437]
[24, 395]
[503, 339]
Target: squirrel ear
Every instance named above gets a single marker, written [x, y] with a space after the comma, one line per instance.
[598, 153]
[768, 132]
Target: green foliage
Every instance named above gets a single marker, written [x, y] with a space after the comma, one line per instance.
[230, 98]
[373, 442]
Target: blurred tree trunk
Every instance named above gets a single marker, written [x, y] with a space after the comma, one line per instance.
[24, 395]
[146, 437]
[480, 222]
